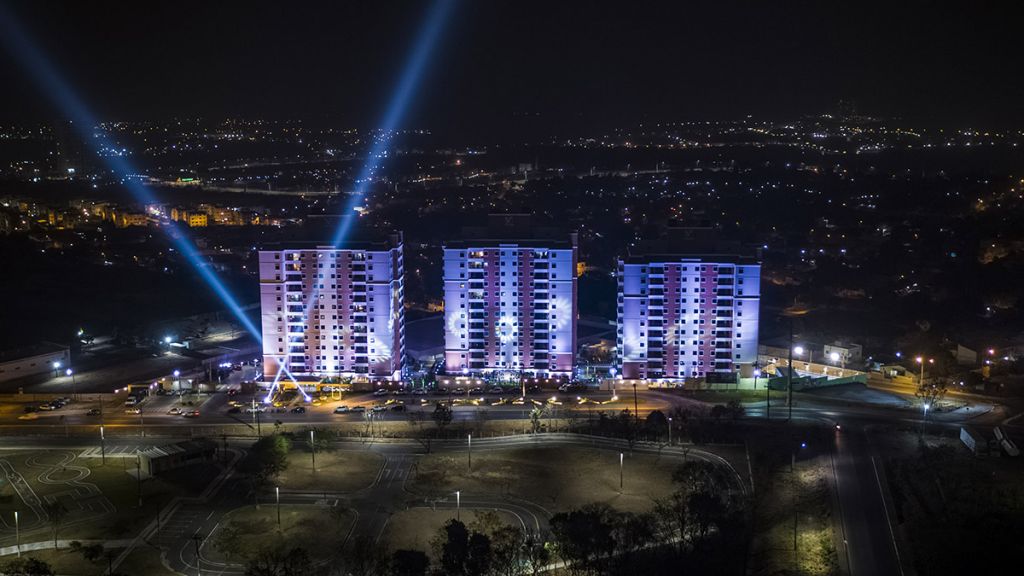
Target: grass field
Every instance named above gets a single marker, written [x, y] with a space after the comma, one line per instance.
[248, 530]
[338, 471]
[556, 478]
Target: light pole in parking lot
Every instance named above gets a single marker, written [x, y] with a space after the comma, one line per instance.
[56, 367]
[469, 451]
[669, 430]
[103, 447]
[277, 494]
[458, 503]
[74, 385]
[17, 533]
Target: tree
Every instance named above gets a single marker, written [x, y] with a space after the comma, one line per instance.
[699, 475]
[280, 562]
[416, 419]
[478, 561]
[442, 416]
[584, 538]
[57, 512]
[409, 563]
[536, 554]
[268, 457]
[932, 390]
[26, 567]
[452, 542]
[535, 415]
[670, 520]
[508, 550]
[735, 409]
[706, 510]
[366, 557]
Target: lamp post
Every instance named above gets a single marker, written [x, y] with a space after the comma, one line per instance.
[669, 430]
[458, 503]
[74, 384]
[636, 410]
[622, 460]
[312, 449]
[17, 533]
[103, 447]
[56, 367]
[277, 495]
[177, 382]
[924, 423]
[469, 451]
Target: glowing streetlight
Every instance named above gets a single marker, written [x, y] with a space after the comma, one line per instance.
[17, 533]
[834, 357]
[277, 495]
[458, 503]
[56, 367]
[469, 451]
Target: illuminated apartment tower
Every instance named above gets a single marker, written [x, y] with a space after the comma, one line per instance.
[510, 300]
[686, 316]
[334, 311]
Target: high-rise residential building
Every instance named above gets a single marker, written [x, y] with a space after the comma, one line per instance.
[686, 315]
[334, 310]
[510, 300]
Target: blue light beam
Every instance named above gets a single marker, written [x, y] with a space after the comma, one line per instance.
[397, 107]
[62, 97]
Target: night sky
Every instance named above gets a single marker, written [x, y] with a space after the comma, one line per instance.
[507, 64]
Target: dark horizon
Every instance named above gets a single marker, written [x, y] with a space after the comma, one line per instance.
[505, 66]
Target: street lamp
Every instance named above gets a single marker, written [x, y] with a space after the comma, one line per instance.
[74, 385]
[926, 406]
[277, 495]
[177, 382]
[56, 367]
[469, 451]
[834, 357]
[312, 449]
[17, 533]
[621, 465]
[458, 503]
[103, 447]
[669, 430]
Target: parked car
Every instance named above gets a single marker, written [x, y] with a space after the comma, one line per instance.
[459, 392]
[358, 409]
[29, 409]
[254, 409]
[46, 406]
[191, 414]
[174, 411]
[379, 408]
[341, 409]
[133, 410]
[398, 408]
[420, 392]
[380, 392]
[299, 410]
[94, 412]
[496, 390]
[477, 390]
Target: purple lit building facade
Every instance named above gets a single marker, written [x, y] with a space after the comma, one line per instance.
[686, 316]
[510, 301]
[334, 311]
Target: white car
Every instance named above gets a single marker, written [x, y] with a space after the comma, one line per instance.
[380, 392]
[420, 392]
[133, 410]
[341, 409]
[174, 411]
[379, 408]
[259, 408]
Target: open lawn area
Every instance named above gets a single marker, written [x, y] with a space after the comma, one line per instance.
[101, 501]
[246, 531]
[558, 479]
[336, 471]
